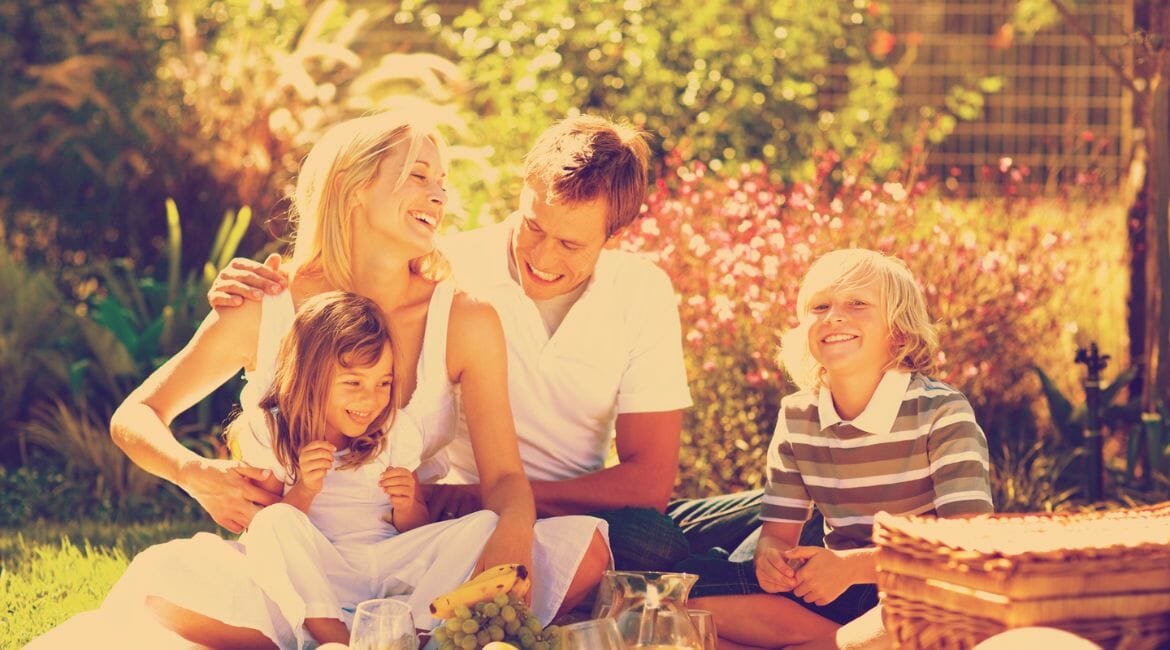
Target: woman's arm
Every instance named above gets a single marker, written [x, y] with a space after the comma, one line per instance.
[223, 344]
[477, 360]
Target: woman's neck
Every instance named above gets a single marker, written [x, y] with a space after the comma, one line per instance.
[852, 391]
[382, 277]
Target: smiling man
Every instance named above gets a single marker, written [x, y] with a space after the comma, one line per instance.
[594, 342]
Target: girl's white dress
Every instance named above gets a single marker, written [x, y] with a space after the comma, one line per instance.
[289, 566]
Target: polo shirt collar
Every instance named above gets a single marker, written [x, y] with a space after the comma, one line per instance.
[881, 411]
[498, 271]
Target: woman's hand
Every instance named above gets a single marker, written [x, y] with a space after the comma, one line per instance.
[316, 459]
[508, 545]
[230, 491]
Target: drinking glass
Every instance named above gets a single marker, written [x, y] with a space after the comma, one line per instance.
[704, 623]
[595, 634]
[383, 624]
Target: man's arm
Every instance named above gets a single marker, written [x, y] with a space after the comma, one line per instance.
[647, 448]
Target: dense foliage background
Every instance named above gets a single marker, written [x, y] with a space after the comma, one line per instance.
[155, 140]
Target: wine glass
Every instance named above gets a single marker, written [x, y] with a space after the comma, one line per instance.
[704, 623]
[594, 634]
[383, 624]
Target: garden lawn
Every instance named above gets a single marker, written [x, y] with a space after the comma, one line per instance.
[49, 572]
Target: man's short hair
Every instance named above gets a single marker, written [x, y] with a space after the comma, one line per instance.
[585, 157]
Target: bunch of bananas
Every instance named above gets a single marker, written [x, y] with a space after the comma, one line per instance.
[500, 579]
[488, 611]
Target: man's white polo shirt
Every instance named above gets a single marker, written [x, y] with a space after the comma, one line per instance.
[618, 350]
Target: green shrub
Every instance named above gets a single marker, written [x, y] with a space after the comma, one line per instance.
[34, 330]
[720, 81]
[1003, 287]
[48, 490]
[212, 103]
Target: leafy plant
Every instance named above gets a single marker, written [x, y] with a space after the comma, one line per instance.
[133, 324]
[34, 326]
[1030, 479]
[210, 102]
[1154, 435]
[81, 435]
[1070, 420]
[72, 76]
[717, 81]
[136, 322]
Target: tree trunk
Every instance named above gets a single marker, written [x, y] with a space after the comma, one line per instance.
[1158, 260]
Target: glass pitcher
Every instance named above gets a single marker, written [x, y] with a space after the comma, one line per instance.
[651, 609]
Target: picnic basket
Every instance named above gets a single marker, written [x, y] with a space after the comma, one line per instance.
[951, 583]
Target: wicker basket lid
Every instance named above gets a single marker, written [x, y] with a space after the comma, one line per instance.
[1013, 535]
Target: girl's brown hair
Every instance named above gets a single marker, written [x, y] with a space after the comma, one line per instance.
[330, 329]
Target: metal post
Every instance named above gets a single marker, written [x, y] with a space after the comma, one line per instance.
[1094, 481]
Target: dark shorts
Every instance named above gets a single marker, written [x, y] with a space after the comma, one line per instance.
[720, 577]
[643, 539]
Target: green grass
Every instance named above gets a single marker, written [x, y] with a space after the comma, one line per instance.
[49, 572]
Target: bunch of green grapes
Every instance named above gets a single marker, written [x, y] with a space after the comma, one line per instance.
[504, 618]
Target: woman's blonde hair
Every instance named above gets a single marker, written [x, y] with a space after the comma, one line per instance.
[331, 329]
[343, 161]
[913, 339]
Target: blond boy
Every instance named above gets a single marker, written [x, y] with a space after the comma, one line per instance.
[868, 431]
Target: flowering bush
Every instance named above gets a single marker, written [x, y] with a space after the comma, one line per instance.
[737, 246]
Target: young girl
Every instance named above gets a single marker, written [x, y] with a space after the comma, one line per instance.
[324, 438]
[868, 431]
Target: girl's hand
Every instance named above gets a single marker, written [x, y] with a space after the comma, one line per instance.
[823, 577]
[316, 459]
[401, 485]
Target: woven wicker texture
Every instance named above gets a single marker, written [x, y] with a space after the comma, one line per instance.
[951, 583]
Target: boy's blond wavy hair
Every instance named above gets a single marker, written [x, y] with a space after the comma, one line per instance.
[913, 338]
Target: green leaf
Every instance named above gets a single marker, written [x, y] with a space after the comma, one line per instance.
[221, 235]
[1058, 405]
[174, 250]
[243, 218]
[1109, 392]
[117, 320]
[1132, 449]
